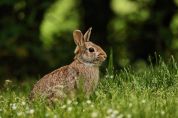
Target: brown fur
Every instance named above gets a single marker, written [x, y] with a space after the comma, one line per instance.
[62, 82]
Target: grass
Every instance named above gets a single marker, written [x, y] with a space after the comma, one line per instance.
[150, 92]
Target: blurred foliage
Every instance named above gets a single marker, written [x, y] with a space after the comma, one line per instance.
[126, 14]
[174, 28]
[61, 17]
[36, 36]
[141, 27]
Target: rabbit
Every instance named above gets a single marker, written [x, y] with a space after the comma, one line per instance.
[63, 82]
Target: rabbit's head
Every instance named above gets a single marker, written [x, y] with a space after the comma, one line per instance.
[86, 51]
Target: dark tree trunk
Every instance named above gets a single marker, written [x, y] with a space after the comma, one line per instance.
[97, 14]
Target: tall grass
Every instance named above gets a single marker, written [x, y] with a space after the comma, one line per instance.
[149, 93]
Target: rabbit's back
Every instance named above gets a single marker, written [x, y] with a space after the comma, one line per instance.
[56, 83]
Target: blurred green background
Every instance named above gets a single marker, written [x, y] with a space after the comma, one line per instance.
[36, 35]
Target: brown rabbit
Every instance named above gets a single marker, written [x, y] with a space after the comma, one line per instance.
[63, 82]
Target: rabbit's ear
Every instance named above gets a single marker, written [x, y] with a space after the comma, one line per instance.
[87, 35]
[78, 38]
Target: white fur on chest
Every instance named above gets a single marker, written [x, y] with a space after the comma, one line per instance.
[90, 72]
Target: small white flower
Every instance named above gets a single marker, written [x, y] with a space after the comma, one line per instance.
[63, 106]
[55, 116]
[23, 103]
[130, 105]
[109, 111]
[94, 114]
[107, 76]
[31, 111]
[112, 115]
[115, 112]
[47, 115]
[143, 101]
[75, 102]
[129, 116]
[120, 116]
[111, 76]
[88, 101]
[8, 81]
[162, 112]
[69, 109]
[19, 113]
[69, 102]
[14, 107]
[92, 106]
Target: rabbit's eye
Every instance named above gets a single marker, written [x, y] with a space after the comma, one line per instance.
[91, 49]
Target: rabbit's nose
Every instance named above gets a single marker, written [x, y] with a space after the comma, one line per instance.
[103, 55]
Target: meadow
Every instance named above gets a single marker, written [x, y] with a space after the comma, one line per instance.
[150, 92]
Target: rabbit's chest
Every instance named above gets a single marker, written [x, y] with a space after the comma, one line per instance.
[91, 78]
